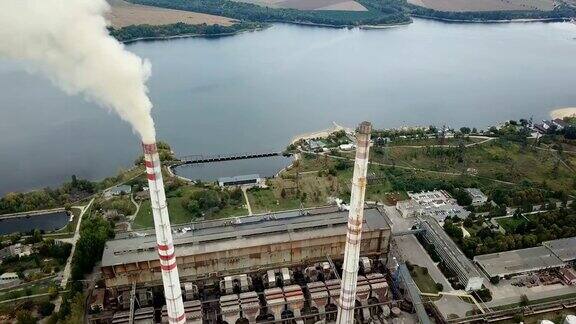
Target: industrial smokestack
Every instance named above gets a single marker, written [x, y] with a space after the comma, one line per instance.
[355, 219]
[68, 41]
[164, 241]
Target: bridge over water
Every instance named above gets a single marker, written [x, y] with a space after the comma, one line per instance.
[201, 158]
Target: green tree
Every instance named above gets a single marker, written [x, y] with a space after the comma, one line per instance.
[94, 233]
[76, 310]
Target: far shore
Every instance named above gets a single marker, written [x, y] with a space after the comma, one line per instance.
[364, 27]
[158, 38]
[492, 21]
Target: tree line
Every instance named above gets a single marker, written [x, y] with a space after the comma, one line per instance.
[550, 225]
[47, 198]
[135, 32]
[562, 11]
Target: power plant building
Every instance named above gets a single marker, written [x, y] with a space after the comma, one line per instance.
[208, 251]
[452, 256]
[516, 262]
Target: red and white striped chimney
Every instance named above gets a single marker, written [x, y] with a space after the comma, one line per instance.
[355, 218]
[164, 242]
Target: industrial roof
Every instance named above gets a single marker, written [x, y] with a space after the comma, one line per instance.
[246, 177]
[518, 261]
[447, 244]
[565, 249]
[243, 232]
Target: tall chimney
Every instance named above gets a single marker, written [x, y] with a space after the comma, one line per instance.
[164, 241]
[355, 219]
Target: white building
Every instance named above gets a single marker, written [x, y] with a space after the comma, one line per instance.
[438, 204]
[347, 147]
[16, 250]
[478, 197]
[9, 279]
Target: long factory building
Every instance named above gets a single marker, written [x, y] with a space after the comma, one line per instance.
[208, 251]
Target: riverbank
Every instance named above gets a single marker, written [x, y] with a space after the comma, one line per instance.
[136, 33]
[268, 24]
[491, 21]
[31, 213]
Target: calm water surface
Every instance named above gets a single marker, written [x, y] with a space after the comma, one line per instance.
[265, 167]
[47, 222]
[255, 91]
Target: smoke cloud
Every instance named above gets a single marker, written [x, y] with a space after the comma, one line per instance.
[67, 40]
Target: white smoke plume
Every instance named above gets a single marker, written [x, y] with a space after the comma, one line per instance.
[68, 41]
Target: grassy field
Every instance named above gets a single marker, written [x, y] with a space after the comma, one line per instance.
[510, 223]
[498, 160]
[265, 200]
[178, 215]
[229, 211]
[433, 141]
[423, 280]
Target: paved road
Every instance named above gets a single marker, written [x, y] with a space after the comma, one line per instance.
[411, 250]
[73, 240]
[130, 218]
[247, 201]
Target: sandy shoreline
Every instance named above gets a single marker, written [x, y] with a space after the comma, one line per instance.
[321, 134]
[563, 112]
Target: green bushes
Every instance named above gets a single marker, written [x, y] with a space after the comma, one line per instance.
[94, 233]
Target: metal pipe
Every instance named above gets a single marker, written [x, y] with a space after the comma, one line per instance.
[347, 300]
[164, 243]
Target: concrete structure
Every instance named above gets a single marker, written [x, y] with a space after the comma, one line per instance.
[449, 252]
[568, 275]
[478, 197]
[371, 289]
[17, 249]
[564, 249]
[517, 261]
[97, 300]
[241, 180]
[438, 204]
[214, 249]
[316, 145]
[164, 246]
[355, 222]
[9, 279]
[408, 208]
[192, 311]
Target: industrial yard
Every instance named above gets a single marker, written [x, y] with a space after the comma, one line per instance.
[236, 223]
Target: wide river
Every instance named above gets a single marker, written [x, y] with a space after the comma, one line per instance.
[255, 91]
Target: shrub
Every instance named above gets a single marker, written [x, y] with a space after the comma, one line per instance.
[46, 308]
[439, 286]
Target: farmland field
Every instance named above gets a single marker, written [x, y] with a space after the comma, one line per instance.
[125, 14]
[344, 5]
